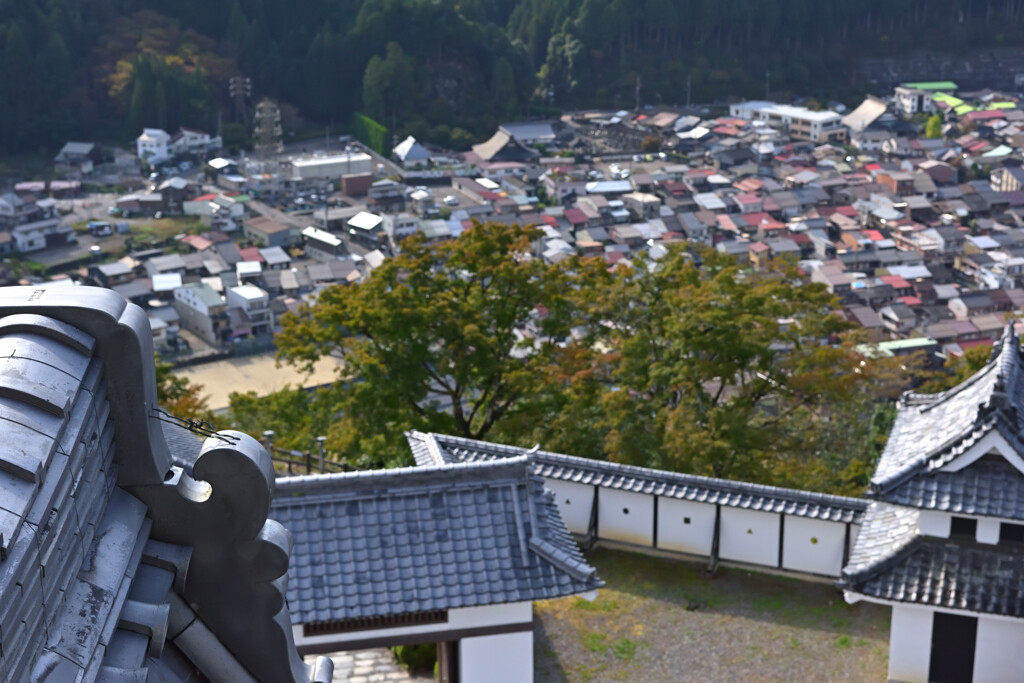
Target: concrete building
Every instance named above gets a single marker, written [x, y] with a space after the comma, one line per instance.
[203, 312]
[266, 232]
[153, 145]
[254, 305]
[941, 543]
[325, 167]
[322, 245]
[802, 123]
[398, 226]
[909, 101]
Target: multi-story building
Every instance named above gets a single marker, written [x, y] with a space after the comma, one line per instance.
[203, 312]
[33, 225]
[253, 305]
[398, 226]
[802, 123]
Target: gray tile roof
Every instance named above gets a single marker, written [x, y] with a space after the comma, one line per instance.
[993, 488]
[87, 590]
[409, 540]
[434, 449]
[933, 429]
[892, 562]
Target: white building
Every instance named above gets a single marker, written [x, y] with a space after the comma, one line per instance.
[942, 543]
[216, 210]
[153, 145]
[203, 312]
[398, 226]
[254, 304]
[802, 123]
[33, 225]
[909, 101]
[327, 167]
[193, 141]
[157, 146]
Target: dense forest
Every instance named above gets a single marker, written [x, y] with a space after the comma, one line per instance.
[446, 70]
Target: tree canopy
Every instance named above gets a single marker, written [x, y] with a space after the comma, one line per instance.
[690, 363]
[94, 70]
[449, 337]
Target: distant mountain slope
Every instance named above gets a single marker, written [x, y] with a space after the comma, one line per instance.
[101, 68]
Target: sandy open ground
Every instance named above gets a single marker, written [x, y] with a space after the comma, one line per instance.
[253, 373]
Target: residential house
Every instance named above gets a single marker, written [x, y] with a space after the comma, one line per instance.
[32, 224]
[398, 226]
[323, 246]
[266, 232]
[78, 158]
[251, 307]
[153, 146]
[411, 154]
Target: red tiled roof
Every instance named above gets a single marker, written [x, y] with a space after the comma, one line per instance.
[251, 254]
[896, 281]
[873, 235]
[725, 222]
[911, 300]
[758, 247]
[205, 198]
[985, 115]
[196, 242]
[575, 216]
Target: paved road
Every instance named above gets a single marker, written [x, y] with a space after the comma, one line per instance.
[253, 373]
[274, 214]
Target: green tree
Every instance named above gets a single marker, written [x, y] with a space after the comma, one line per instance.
[715, 370]
[434, 339]
[296, 416]
[933, 129]
[956, 369]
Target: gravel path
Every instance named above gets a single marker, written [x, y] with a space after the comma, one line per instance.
[665, 620]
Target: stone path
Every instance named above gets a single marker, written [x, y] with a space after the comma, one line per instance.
[369, 666]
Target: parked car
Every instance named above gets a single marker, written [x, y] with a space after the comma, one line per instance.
[450, 200]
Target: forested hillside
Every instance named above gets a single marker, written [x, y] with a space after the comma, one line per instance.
[100, 69]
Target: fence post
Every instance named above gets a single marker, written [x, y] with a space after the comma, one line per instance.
[309, 463]
[320, 445]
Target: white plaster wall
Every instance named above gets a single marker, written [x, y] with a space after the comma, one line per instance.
[625, 516]
[813, 545]
[933, 523]
[574, 503]
[685, 526]
[749, 536]
[999, 655]
[988, 531]
[505, 658]
[461, 618]
[910, 644]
